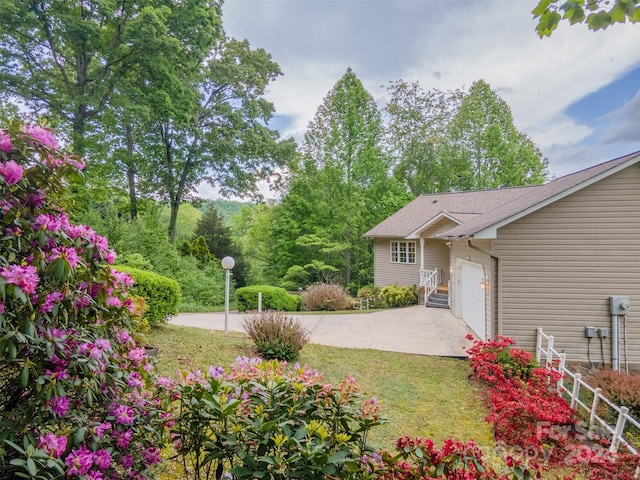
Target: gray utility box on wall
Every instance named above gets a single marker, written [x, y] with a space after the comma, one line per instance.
[620, 305]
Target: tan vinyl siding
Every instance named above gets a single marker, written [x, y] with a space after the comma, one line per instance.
[461, 251]
[436, 255]
[438, 227]
[387, 273]
[561, 264]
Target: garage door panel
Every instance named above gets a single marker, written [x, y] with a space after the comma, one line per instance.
[473, 298]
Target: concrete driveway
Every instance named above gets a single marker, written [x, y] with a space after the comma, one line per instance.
[415, 329]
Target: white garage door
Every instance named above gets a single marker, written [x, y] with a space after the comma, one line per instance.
[473, 297]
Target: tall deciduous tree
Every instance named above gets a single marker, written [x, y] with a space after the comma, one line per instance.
[417, 127]
[224, 140]
[485, 150]
[597, 14]
[343, 184]
[66, 57]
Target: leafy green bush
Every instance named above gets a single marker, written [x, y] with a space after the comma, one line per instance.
[161, 294]
[326, 297]
[372, 293]
[273, 298]
[200, 284]
[262, 421]
[395, 296]
[276, 336]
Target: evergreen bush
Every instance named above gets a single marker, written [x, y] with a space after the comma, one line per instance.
[75, 388]
[161, 294]
[273, 298]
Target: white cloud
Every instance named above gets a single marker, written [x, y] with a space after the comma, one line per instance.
[444, 44]
[625, 123]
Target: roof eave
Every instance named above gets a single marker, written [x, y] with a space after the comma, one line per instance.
[491, 231]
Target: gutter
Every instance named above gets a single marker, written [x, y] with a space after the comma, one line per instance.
[499, 266]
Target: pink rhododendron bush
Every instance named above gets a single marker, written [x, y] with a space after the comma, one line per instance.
[74, 386]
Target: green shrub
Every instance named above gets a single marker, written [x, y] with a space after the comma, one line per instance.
[161, 294]
[276, 336]
[326, 297]
[262, 421]
[372, 293]
[395, 296]
[273, 298]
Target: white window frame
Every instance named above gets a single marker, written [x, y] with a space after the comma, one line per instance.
[402, 251]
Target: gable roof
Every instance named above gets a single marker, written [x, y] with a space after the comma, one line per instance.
[480, 213]
[459, 206]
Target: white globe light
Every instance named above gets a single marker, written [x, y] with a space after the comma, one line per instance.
[228, 263]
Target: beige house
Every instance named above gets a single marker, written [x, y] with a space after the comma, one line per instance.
[515, 259]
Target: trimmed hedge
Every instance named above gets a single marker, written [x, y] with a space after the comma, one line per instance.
[161, 294]
[273, 298]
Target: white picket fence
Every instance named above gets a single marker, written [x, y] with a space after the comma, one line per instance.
[549, 355]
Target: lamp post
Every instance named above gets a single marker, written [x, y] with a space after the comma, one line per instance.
[227, 263]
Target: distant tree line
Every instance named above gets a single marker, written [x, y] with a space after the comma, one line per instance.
[158, 99]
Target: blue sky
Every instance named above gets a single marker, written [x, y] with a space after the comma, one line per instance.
[574, 94]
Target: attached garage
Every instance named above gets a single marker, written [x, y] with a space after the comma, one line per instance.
[471, 299]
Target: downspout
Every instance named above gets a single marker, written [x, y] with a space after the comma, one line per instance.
[499, 266]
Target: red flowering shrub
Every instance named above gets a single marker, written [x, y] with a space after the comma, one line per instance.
[531, 418]
[418, 459]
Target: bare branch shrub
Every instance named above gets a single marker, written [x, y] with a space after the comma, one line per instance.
[275, 335]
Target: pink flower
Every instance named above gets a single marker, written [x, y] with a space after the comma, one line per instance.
[110, 256]
[5, 142]
[59, 405]
[137, 355]
[124, 414]
[122, 278]
[68, 253]
[79, 461]
[102, 459]
[53, 445]
[103, 427]
[12, 172]
[94, 475]
[135, 380]
[126, 461]
[50, 299]
[42, 135]
[113, 302]
[151, 455]
[24, 277]
[35, 199]
[2, 310]
[123, 439]
[47, 221]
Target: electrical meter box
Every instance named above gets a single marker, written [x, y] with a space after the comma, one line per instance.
[620, 305]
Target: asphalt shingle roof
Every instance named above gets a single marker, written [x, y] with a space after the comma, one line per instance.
[481, 209]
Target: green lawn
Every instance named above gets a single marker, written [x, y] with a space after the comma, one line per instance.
[419, 395]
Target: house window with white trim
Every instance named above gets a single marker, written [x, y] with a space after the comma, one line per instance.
[403, 252]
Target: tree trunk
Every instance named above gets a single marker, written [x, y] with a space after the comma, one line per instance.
[131, 175]
[173, 219]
